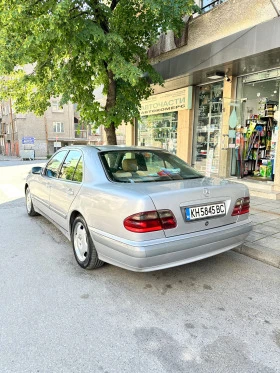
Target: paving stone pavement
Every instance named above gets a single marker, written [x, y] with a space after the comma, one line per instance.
[263, 243]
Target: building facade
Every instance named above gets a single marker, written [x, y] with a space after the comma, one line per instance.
[30, 136]
[227, 124]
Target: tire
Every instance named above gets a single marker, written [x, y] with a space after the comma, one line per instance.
[29, 204]
[83, 246]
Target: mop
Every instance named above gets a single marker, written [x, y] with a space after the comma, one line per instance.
[251, 144]
[258, 148]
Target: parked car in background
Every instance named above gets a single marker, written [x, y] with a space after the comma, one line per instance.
[139, 208]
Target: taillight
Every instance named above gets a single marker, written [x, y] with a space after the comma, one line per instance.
[150, 221]
[242, 206]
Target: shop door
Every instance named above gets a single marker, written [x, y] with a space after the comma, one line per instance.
[255, 141]
[207, 128]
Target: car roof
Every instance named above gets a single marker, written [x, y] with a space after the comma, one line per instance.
[111, 147]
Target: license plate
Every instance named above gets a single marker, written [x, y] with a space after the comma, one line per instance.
[205, 212]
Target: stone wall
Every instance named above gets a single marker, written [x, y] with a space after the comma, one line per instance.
[28, 125]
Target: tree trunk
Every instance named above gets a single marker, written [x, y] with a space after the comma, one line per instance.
[110, 103]
[111, 134]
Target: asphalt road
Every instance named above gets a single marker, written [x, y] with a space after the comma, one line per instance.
[217, 315]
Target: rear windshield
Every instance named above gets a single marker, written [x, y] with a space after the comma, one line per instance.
[140, 166]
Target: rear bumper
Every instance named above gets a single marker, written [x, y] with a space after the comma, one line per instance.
[168, 252]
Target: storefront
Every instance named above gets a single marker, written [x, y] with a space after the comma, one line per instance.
[253, 132]
[161, 119]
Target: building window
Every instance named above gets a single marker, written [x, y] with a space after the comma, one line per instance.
[6, 109]
[207, 5]
[58, 127]
[56, 106]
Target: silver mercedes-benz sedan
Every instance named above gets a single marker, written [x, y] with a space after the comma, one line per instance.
[139, 208]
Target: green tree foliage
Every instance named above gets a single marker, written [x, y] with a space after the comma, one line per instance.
[75, 46]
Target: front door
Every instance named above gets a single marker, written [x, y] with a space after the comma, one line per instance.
[42, 185]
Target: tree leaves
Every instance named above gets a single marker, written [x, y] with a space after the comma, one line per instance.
[71, 47]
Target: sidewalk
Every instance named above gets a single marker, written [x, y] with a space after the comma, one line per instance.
[263, 243]
[9, 158]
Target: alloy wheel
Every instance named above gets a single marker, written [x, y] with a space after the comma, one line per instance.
[80, 242]
[28, 201]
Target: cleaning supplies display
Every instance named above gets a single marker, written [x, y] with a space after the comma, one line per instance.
[266, 168]
[255, 135]
[253, 142]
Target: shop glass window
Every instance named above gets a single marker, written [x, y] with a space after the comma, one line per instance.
[207, 129]
[159, 130]
[69, 166]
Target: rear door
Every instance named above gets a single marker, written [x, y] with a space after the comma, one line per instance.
[66, 187]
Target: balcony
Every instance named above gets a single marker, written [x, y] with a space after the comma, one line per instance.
[207, 5]
[81, 134]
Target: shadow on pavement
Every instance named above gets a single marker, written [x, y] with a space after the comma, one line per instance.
[19, 202]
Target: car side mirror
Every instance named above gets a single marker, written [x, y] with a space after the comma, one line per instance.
[36, 170]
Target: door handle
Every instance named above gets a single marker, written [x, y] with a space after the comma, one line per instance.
[70, 191]
[48, 185]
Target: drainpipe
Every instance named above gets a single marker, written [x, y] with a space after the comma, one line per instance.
[46, 131]
[275, 7]
[13, 130]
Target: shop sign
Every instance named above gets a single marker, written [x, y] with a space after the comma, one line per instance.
[270, 74]
[179, 99]
[27, 140]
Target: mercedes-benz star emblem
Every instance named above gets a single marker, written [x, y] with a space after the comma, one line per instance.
[206, 192]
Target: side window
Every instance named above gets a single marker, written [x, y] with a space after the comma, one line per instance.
[69, 165]
[78, 175]
[53, 166]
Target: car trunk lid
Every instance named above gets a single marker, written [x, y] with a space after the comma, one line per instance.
[190, 198]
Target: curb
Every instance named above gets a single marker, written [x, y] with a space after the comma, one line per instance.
[268, 257]
[9, 159]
